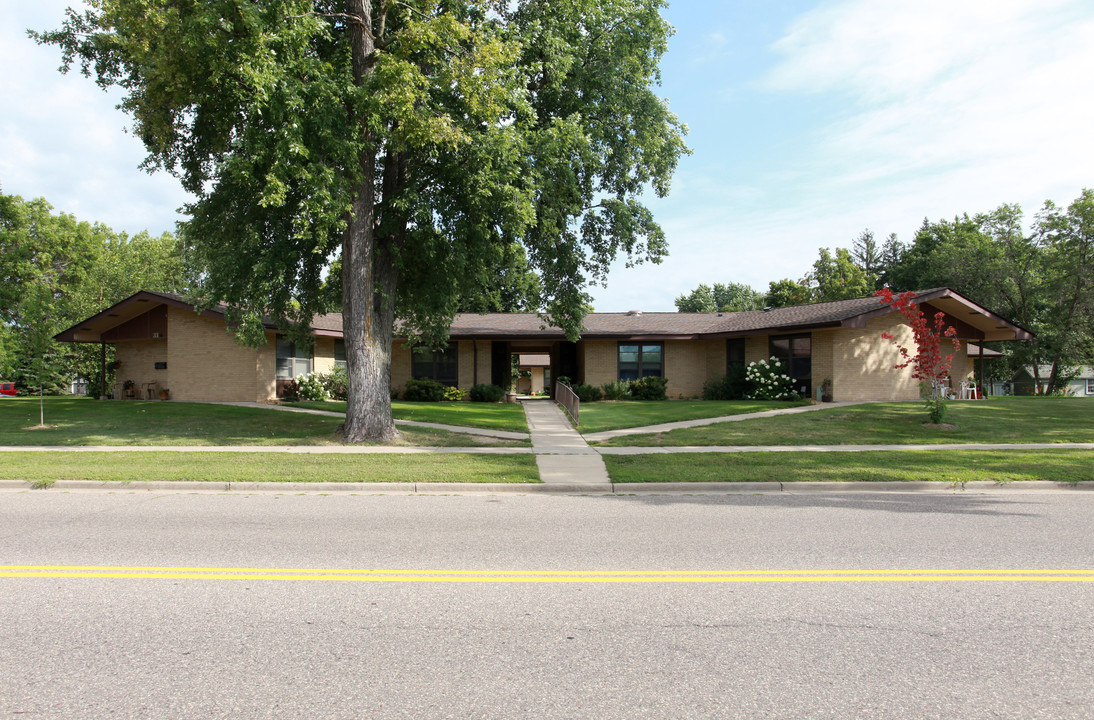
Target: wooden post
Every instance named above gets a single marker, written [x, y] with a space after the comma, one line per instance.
[102, 370]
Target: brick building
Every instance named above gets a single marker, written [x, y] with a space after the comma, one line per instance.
[161, 342]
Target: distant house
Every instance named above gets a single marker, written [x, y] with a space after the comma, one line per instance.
[1081, 385]
[162, 342]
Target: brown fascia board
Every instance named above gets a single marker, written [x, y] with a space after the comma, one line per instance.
[772, 330]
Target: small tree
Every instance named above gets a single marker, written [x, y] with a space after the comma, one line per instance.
[929, 366]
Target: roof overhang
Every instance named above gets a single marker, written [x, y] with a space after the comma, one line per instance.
[972, 321]
[92, 329]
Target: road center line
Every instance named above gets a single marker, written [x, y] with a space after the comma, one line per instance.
[542, 576]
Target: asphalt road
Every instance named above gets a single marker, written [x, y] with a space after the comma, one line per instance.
[165, 635]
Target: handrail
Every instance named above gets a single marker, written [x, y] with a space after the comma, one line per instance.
[565, 397]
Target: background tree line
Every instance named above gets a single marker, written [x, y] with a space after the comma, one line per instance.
[1040, 278]
[55, 271]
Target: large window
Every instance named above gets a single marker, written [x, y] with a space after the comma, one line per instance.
[735, 353]
[639, 360]
[440, 365]
[292, 361]
[795, 352]
[340, 352]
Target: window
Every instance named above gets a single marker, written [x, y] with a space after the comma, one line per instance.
[795, 352]
[639, 360]
[440, 365]
[735, 353]
[1090, 387]
[292, 361]
[339, 352]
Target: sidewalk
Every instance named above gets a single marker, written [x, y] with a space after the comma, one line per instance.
[667, 427]
[562, 454]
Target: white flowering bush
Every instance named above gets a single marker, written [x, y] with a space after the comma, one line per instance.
[766, 380]
[311, 387]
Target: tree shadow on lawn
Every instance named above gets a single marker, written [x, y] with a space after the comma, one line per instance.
[958, 502]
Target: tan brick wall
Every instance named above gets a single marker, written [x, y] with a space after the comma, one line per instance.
[685, 366]
[204, 362]
[757, 348]
[863, 362]
[323, 355]
[400, 365]
[137, 362]
[822, 367]
[601, 361]
[715, 351]
[466, 356]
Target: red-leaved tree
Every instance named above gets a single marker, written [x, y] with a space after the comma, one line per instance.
[929, 365]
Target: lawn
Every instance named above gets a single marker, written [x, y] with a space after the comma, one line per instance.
[44, 468]
[600, 416]
[488, 416]
[83, 421]
[951, 466]
[997, 420]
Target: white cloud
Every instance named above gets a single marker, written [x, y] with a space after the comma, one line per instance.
[943, 108]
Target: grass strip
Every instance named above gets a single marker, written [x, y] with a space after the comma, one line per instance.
[615, 415]
[83, 421]
[487, 416]
[949, 466]
[999, 420]
[45, 468]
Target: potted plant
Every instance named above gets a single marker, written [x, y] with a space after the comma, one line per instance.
[127, 387]
[165, 394]
[826, 390]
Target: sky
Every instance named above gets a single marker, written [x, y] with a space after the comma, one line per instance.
[808, 123]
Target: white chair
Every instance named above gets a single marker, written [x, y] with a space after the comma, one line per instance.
[968, 390]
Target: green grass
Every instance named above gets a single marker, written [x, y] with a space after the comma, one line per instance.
[83, 421]
[43, 469]
[998, 420]
[950, 466]
[614, 415]
[488, 416]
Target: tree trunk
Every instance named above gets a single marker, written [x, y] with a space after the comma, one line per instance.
[368, 278]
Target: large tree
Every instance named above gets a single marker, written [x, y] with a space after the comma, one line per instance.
[412, 137]
[731, 297]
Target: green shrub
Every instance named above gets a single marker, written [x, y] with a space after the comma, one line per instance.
[586, 392]
[335, 382]
[291, 393]
[731, 386]
[310, 387]
[455, 394]
[766, 381]
[423, 390]
[618, 390]
[649, 388]
[487, 393]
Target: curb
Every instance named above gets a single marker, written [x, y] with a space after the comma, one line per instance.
[553, 488]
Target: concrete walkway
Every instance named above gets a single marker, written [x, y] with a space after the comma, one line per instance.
[667, 427]
[562, 454]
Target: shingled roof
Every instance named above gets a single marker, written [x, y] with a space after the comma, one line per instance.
[975, 322]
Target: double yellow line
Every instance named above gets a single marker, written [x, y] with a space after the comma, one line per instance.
[542, 576]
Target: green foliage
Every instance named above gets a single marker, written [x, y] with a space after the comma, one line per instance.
[617, 390]
[786, 292]
[424, 390]
[731, 386]
[426, 139]
[487, 393]
[733, 297]
[586, 393]
[767, 381]
[649, 388]
[311, 387]
[837, 277]
[455, 394]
